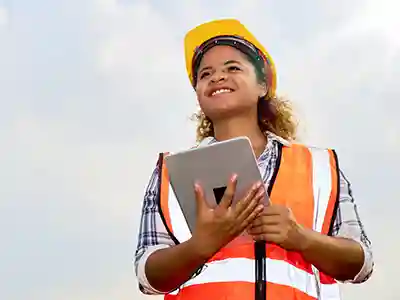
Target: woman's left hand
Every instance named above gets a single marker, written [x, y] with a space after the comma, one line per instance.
[276, 224]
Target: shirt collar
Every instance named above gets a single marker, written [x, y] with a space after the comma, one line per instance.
[271, 136]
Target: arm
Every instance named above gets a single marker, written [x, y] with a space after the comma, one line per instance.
[160, 265]
[341, 258]
[346, 255]
[153, 235]
[167, 269]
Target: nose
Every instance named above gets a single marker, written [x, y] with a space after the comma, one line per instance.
[218, 77]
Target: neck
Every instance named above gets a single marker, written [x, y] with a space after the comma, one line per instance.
[235, 127]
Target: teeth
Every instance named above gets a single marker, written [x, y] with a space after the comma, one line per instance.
[221, 91]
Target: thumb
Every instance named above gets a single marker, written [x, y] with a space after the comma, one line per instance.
[201, 202]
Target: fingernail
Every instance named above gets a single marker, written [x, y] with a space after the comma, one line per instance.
[261, 193]
[257, 185]
[234, 177]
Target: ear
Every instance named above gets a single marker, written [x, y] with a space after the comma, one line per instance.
[263, 90]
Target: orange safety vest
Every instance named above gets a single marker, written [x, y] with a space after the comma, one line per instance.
[306, 180]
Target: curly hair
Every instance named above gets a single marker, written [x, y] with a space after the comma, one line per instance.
[275, 115]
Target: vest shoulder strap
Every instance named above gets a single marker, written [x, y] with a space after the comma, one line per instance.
[319, 172]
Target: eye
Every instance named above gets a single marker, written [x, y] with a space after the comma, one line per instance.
[233, 68]
[204, 74]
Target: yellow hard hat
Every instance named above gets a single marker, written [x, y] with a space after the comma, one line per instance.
[226, 27]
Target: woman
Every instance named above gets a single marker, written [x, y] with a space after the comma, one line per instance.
[314, 237]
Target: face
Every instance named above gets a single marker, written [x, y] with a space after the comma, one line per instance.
[227, 84]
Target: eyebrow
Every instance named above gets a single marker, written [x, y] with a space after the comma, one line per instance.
[232, 62]
[228, 62]
[205, 68]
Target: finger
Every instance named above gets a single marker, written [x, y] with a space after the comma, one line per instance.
[250, 218]
[264, 229]
[201, 202]
[266, 220]
[246, 201]
[268, 237]
[249, 203]
[273, 210]
[226, 200]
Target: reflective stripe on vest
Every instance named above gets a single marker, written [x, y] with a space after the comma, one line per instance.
[307, 182]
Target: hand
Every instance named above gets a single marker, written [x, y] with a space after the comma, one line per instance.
[217, 226]
[276, 224]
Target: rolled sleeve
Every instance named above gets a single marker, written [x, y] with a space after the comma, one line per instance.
[140, 269]
[152, 235]
[347, 224]
[366, 270]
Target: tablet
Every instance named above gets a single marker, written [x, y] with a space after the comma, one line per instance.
[212, 166]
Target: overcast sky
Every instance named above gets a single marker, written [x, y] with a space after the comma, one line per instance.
[92, 90]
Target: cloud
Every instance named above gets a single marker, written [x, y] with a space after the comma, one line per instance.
[4, 16]
[87, 105]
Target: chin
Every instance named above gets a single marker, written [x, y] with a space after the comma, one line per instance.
[218, 113]
[224, 106]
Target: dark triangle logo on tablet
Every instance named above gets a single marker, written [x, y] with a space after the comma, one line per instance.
[219, 193]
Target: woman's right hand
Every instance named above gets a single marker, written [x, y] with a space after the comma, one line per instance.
[217, 226]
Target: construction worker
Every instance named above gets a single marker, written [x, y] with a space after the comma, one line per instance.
[313, 235]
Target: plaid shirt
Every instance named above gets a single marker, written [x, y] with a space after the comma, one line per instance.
[153, 234]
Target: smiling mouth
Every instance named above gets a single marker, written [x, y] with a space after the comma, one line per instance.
[221, 91]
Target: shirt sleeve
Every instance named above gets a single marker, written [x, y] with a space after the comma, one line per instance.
[152, 233]
[348, 224]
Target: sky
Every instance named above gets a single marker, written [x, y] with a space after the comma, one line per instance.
[92, 90]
